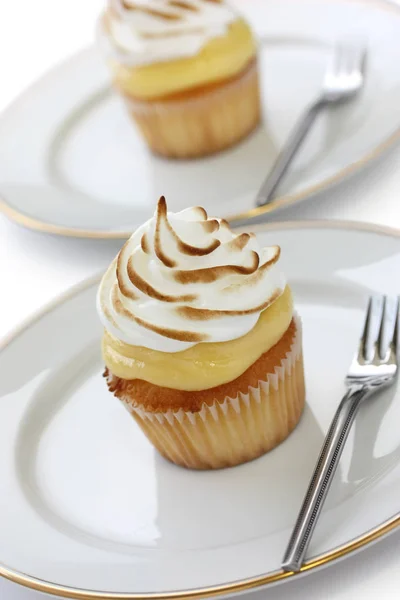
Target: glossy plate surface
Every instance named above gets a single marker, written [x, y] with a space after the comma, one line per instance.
[88, 508]
[84, 171]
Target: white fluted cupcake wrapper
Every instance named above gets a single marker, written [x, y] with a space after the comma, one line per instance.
[237, 429]
[199, 124]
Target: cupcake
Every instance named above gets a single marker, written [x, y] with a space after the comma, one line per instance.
[187, 70]
[201, 343]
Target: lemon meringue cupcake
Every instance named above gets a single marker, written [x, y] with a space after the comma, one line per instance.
[187, 70]
[201, 342]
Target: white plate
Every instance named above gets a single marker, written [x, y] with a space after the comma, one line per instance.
[86, 504]
[73, 164]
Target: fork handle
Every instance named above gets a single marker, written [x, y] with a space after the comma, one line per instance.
[322, 477]
[287, 154]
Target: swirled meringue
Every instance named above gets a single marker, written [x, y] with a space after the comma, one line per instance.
[149, 31]
[183, 279]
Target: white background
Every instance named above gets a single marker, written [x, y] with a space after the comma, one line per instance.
[34, 267]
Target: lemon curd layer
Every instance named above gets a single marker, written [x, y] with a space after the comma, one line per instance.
[221, 58]
[204, 365]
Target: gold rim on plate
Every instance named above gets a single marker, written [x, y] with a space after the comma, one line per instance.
[280, 202]
[244, 585]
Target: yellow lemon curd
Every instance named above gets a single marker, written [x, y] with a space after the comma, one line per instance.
[204, 365]
[221, 58]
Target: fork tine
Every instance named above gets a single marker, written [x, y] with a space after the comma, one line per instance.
[381, 346]
[353, 60]
[336, 59]
[369, 334]
[362, 58]
[396, 332]
[349, 58]
[339, 58]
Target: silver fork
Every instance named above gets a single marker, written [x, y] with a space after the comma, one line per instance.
[343, 80]
[373, 368]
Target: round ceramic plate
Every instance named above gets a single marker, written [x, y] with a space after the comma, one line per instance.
[72, 163]
[88, 509]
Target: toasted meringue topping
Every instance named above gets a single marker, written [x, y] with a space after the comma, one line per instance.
[147, 31]
[182, 279]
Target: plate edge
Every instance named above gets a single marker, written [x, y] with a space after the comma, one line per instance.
[253, 584]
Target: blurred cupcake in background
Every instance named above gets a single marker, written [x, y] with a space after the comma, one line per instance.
[187, 70]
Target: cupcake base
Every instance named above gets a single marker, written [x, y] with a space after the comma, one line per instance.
[203, 121]
[233, 430]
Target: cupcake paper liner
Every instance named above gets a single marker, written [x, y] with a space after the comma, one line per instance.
[201, 123]
[237, 429]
